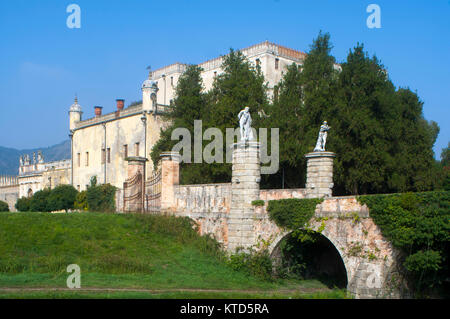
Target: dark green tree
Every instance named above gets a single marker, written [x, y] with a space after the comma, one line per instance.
[305, 98]
[4, 206]
[285, 113]
[412, 146]
[241, 84]
[364, 126]
[445, 156]
[39, 201]
[23, 204]
[100, 198]
[62, 197]
[383, 141]
[189, 105]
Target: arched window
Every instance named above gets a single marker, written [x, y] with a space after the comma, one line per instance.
[30, 192]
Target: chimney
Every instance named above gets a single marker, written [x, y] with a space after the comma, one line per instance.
[98, 110]
[120, 104]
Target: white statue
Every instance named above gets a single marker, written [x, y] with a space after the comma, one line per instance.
[21, 160]
[245, 122]
[34, 158]
[40, 157]
[322, 139]
[27, 159]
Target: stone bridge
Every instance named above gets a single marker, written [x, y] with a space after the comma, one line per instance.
[226, 212]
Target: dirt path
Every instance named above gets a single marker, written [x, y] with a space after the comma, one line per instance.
[158, 291]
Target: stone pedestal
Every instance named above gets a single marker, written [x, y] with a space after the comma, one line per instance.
[319, 174]
[246, 175]
[170, 177]
[134, 184]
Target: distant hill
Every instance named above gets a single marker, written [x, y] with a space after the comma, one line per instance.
[9, 157]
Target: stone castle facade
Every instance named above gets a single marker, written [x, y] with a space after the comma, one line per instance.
[101, 145]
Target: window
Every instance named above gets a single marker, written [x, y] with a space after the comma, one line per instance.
[258, 62]
[136, 149]
[78, 187]
[103, 156]
[108, 154]
[79, 159]
[87, 158]
[215, 73]
[171, 80]
[125, 151]
[277, 61]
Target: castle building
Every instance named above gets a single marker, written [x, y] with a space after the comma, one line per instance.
[101, 146]
[272, 58]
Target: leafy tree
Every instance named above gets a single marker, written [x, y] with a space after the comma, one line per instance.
[39, 201]
[305, 99]
[100, 198]
[241, 84]
[62, 197]
[285, 113]
[4, 207]
[190, 105]
[23, 204]
[81, 201]
[445, 156]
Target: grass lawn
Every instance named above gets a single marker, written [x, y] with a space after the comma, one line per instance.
[159, 254]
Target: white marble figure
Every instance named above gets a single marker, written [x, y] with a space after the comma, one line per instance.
[245, 122]
[21, 160]
[40, 157]
[34, 158]
[27, 159]
[322, 139]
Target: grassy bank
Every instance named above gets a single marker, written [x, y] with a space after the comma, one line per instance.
[123, 251]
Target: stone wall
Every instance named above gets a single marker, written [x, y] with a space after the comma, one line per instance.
[273, 194]
[208, 205]
[10, 194]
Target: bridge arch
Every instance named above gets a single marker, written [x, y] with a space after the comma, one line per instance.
[328, 257]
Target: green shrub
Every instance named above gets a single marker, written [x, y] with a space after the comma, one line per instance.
[81, 201]
[39, 201]
[4, 207]
[294, 214]
[258, 202]
[62, 197]
[23, 204]
[101, 198]
[419, 225]
[256, 263]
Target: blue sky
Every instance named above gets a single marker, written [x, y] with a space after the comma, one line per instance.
[43, 63]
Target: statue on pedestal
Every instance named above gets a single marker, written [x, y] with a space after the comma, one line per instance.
[34, 158]
[21, 160]
[40, 157]
[322, 139]
[245, 122]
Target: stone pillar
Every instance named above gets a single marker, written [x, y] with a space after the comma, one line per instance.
[246, 175]
[170, 178]
[319, 174]
[133, 187]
